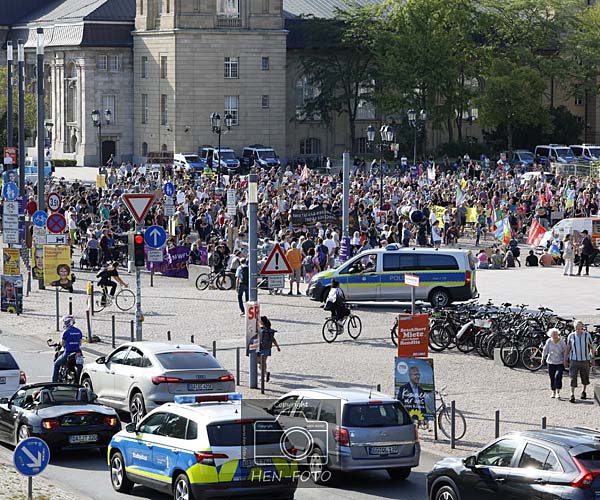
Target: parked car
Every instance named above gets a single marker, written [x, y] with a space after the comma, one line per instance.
[531, 465]
[554, 153]
[11, 376]
[210, 154]
[65, 416]
[586, 152]
[265, 157]
[522, 157]
[351, 429]
[140, 376]
[188, 161]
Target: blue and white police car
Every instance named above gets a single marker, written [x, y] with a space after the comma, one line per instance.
[205, 446]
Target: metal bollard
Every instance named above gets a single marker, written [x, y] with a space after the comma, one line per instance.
[92, 298]
[497, 425]
[192, 339]
[544, 422]
[57, 311]
[132, 327]
[214, 348]
[378, 387]
[152, 276]
[89, 325]
[71, 305]
[237, 366]
[169, 335]
[452, 424]
[113, 332]
[28, 283]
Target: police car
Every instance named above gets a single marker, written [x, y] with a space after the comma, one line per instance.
[205, 446]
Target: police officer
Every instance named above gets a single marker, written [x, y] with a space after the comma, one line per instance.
[71, 342]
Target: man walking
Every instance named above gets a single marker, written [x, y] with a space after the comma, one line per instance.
[587, 252]
[294, 257]
[242, 274]
[577, 358]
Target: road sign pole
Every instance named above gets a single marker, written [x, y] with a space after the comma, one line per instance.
[40, 121]
[412, 299]
[9, 97]
[253, 261]
[21, 108]
[138, 293]
[29, 488]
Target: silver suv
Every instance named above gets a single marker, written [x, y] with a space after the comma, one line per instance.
[350, 430]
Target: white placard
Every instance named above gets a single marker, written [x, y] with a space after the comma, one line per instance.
[277, 281]
[11, 208]
[155, 255]
[411, 280]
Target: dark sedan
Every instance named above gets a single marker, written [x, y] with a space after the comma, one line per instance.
[64, 416]
[548, 464]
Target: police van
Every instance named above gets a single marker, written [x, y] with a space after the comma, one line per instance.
[446, 276]
[204, 446]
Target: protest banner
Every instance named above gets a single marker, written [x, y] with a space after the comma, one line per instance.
[314, 215]
[174, 264]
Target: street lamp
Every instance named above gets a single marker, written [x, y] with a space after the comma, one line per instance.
[215, 122]
[97, 121]
[388, 134]
[417, 122]
[48, 125]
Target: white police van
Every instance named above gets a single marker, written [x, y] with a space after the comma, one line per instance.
[205, 446]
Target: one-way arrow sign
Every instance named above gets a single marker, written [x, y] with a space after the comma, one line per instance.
[31, 456]
[138, 204]
[155, 237]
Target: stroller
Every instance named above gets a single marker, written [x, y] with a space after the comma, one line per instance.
[89, 259]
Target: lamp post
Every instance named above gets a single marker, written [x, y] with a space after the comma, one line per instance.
[48, 126]
[97, 121]
[215, 122]
[388, 134]
[252, 264]
[416, 122]
[9, 97]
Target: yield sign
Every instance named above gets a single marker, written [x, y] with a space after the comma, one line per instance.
[276, 262]
[138, 205]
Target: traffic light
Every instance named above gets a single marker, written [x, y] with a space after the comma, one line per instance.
[138, 249]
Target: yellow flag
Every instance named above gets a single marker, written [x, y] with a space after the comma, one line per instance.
[471, 214]
[439, 212]
[100, 181]
[463, 183]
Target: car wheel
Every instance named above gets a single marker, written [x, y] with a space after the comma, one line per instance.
[137, 408]
[446, 492]
[399, 474]
[87, 383]
[440, 298]
[23, 433]
[182, 489]
[317, 467]
[118, 476]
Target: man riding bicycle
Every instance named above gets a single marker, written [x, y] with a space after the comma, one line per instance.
[336, 302]
[105, 275]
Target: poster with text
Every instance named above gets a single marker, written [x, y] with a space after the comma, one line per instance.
[11, 293]
[57, 266]
[37, 258]
[413, 335]
[11, 261]
[415, 387]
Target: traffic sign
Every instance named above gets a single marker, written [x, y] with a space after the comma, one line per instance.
[411, 280]
[10, 191]
[169, 188]
[31, 456]
[155, 237]
[231, 202]
[169, 206]
[39, 218]
[138, 205]
[276, 281]
[155, 255]
[276, 262]
[56, 223]
[11, 208]
[57, 239]
[54, 202]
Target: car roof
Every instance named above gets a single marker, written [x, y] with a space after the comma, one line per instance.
[445, 251]
[158, 347]
[217, 411]
[348, 394]
[47, 384]
[576, 437]
[3, 348]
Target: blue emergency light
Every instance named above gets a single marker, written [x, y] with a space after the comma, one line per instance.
[207, 398]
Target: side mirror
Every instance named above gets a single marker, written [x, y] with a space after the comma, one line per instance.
[130, 427]
[101, 360]
[470, 462]
[4, 401]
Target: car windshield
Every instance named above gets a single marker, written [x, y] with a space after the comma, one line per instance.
[56, 395]
[7, 362]
[526, 156]
[267, 154]
[227, 155]
[595, 152]
[564, 152]
[590, 460]
[192, 159]
[245, 433]
[187, 360]
[375, 414]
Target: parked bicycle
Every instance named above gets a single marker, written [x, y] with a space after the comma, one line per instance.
[443, 415]
[223, 280]
[124, 299]
[332, 328]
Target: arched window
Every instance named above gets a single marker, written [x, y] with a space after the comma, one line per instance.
[144, 149]
[163, 148]
[305, 92]
[310, 146]
[72, 94]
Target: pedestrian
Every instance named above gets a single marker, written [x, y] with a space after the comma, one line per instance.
[294, 258]
[310, 265]
[266, 341]
[436, 237]
[554, 356]
[242, 280]
[586, 252]
[577, 358]
[568, 255]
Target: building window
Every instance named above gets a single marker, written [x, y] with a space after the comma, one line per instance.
[168, 6]
[578, 101]
[265, 102]
[164, 71]
[580, 119]
[163, 148]
[228, 8]
[366, 109]
[109, 103]
[144, 149]
[102, 63]
[115, 63]
[305, 92]
[164, 110]
[232, 67]
[310, 146]
[264, 64]
[361, 146]
[144, 108]
[232, 103]
[144, 67]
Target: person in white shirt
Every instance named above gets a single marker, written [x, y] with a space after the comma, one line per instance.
[554, 355]
[329, 243]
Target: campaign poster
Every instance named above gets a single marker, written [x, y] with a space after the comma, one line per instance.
[415, 387]
[174, 264]
[10, 176]
[413, 335]
[11, 261]
[37, 258]
[57, 266]
[11, 294]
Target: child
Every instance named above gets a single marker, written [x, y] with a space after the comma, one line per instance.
[477, 234]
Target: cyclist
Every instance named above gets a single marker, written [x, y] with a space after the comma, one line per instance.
[71, 342]
[105, 275]
[336, 302]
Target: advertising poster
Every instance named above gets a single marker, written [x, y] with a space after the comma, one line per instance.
[413, 335]
[100, 181]
[10, 176]
[11, 293]
[57, 266]
[11, 261]
[174, 264]
[415, 387]
[37, 258]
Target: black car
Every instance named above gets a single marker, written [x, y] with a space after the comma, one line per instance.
[548, 464]
[65, 416]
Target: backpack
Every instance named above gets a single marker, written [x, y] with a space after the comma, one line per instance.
[245, 275]
[323, 253]
[308, 264]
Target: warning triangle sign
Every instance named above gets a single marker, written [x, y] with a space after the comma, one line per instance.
[276, 262]
[138, 204]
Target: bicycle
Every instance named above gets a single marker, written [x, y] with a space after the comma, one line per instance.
[332, 328]
[124, 299]
[443, 414]
[222, 280]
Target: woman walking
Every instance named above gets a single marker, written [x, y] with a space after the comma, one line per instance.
[554, 355]
[568, 255]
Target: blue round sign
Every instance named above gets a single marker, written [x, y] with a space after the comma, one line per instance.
[39, 218]
[31, 456]
[169, 188]
[155, 237]
[10, 191]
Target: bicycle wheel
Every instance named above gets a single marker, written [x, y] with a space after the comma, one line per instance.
[224, 282]
[99, 303]
[125, 299]
[354, 326]
[509, 353]
[202, 281]
[439, 338]
[466, 344]
[330, 330]
[445, 423]
[531, 357]
[394, 334]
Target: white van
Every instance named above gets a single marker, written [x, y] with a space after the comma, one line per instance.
[11, 376]
[31, 169]
[571, 225]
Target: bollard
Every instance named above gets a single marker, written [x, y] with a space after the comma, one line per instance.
[497, 426]
[28, 283]
[89, 325]
[113, 332]
[214, 348]
[152, 275]
[192, 339]
[92, 297]
[453, 424]
[378, 387]
[169, 335]
[71, 306]
[237, 366]
[132, 327]
[57, 311]
[543, 422]
[262, 375]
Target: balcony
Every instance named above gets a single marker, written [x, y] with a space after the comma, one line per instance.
[228, 22]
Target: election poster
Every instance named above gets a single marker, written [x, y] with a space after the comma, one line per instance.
[413, 335]
[415, 387]
[11, 293]
[57, 266]
[37, 257]
[11, 261]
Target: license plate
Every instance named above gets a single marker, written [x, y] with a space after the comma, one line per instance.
[200, 387]
[256, 462]
[79, 360]
[83, 438]
[383, 450]
[2, 380]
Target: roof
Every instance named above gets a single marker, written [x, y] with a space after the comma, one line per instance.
[218, 411]
[11, 10]
[157, 347]
[569, 438]
[349, 394]
[324, 9]
[79, 10]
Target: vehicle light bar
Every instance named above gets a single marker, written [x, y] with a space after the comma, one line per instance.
[207, 398]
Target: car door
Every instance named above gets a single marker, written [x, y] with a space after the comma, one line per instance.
[8, 417]
[103, 376]
[284, 409]
[140, 447]
[361, 284]
[169, 444]
[126, 373]
[529, 478]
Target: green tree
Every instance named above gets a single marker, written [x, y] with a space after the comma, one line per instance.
[30, 109]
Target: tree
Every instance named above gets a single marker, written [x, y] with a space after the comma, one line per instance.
[30, 109]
